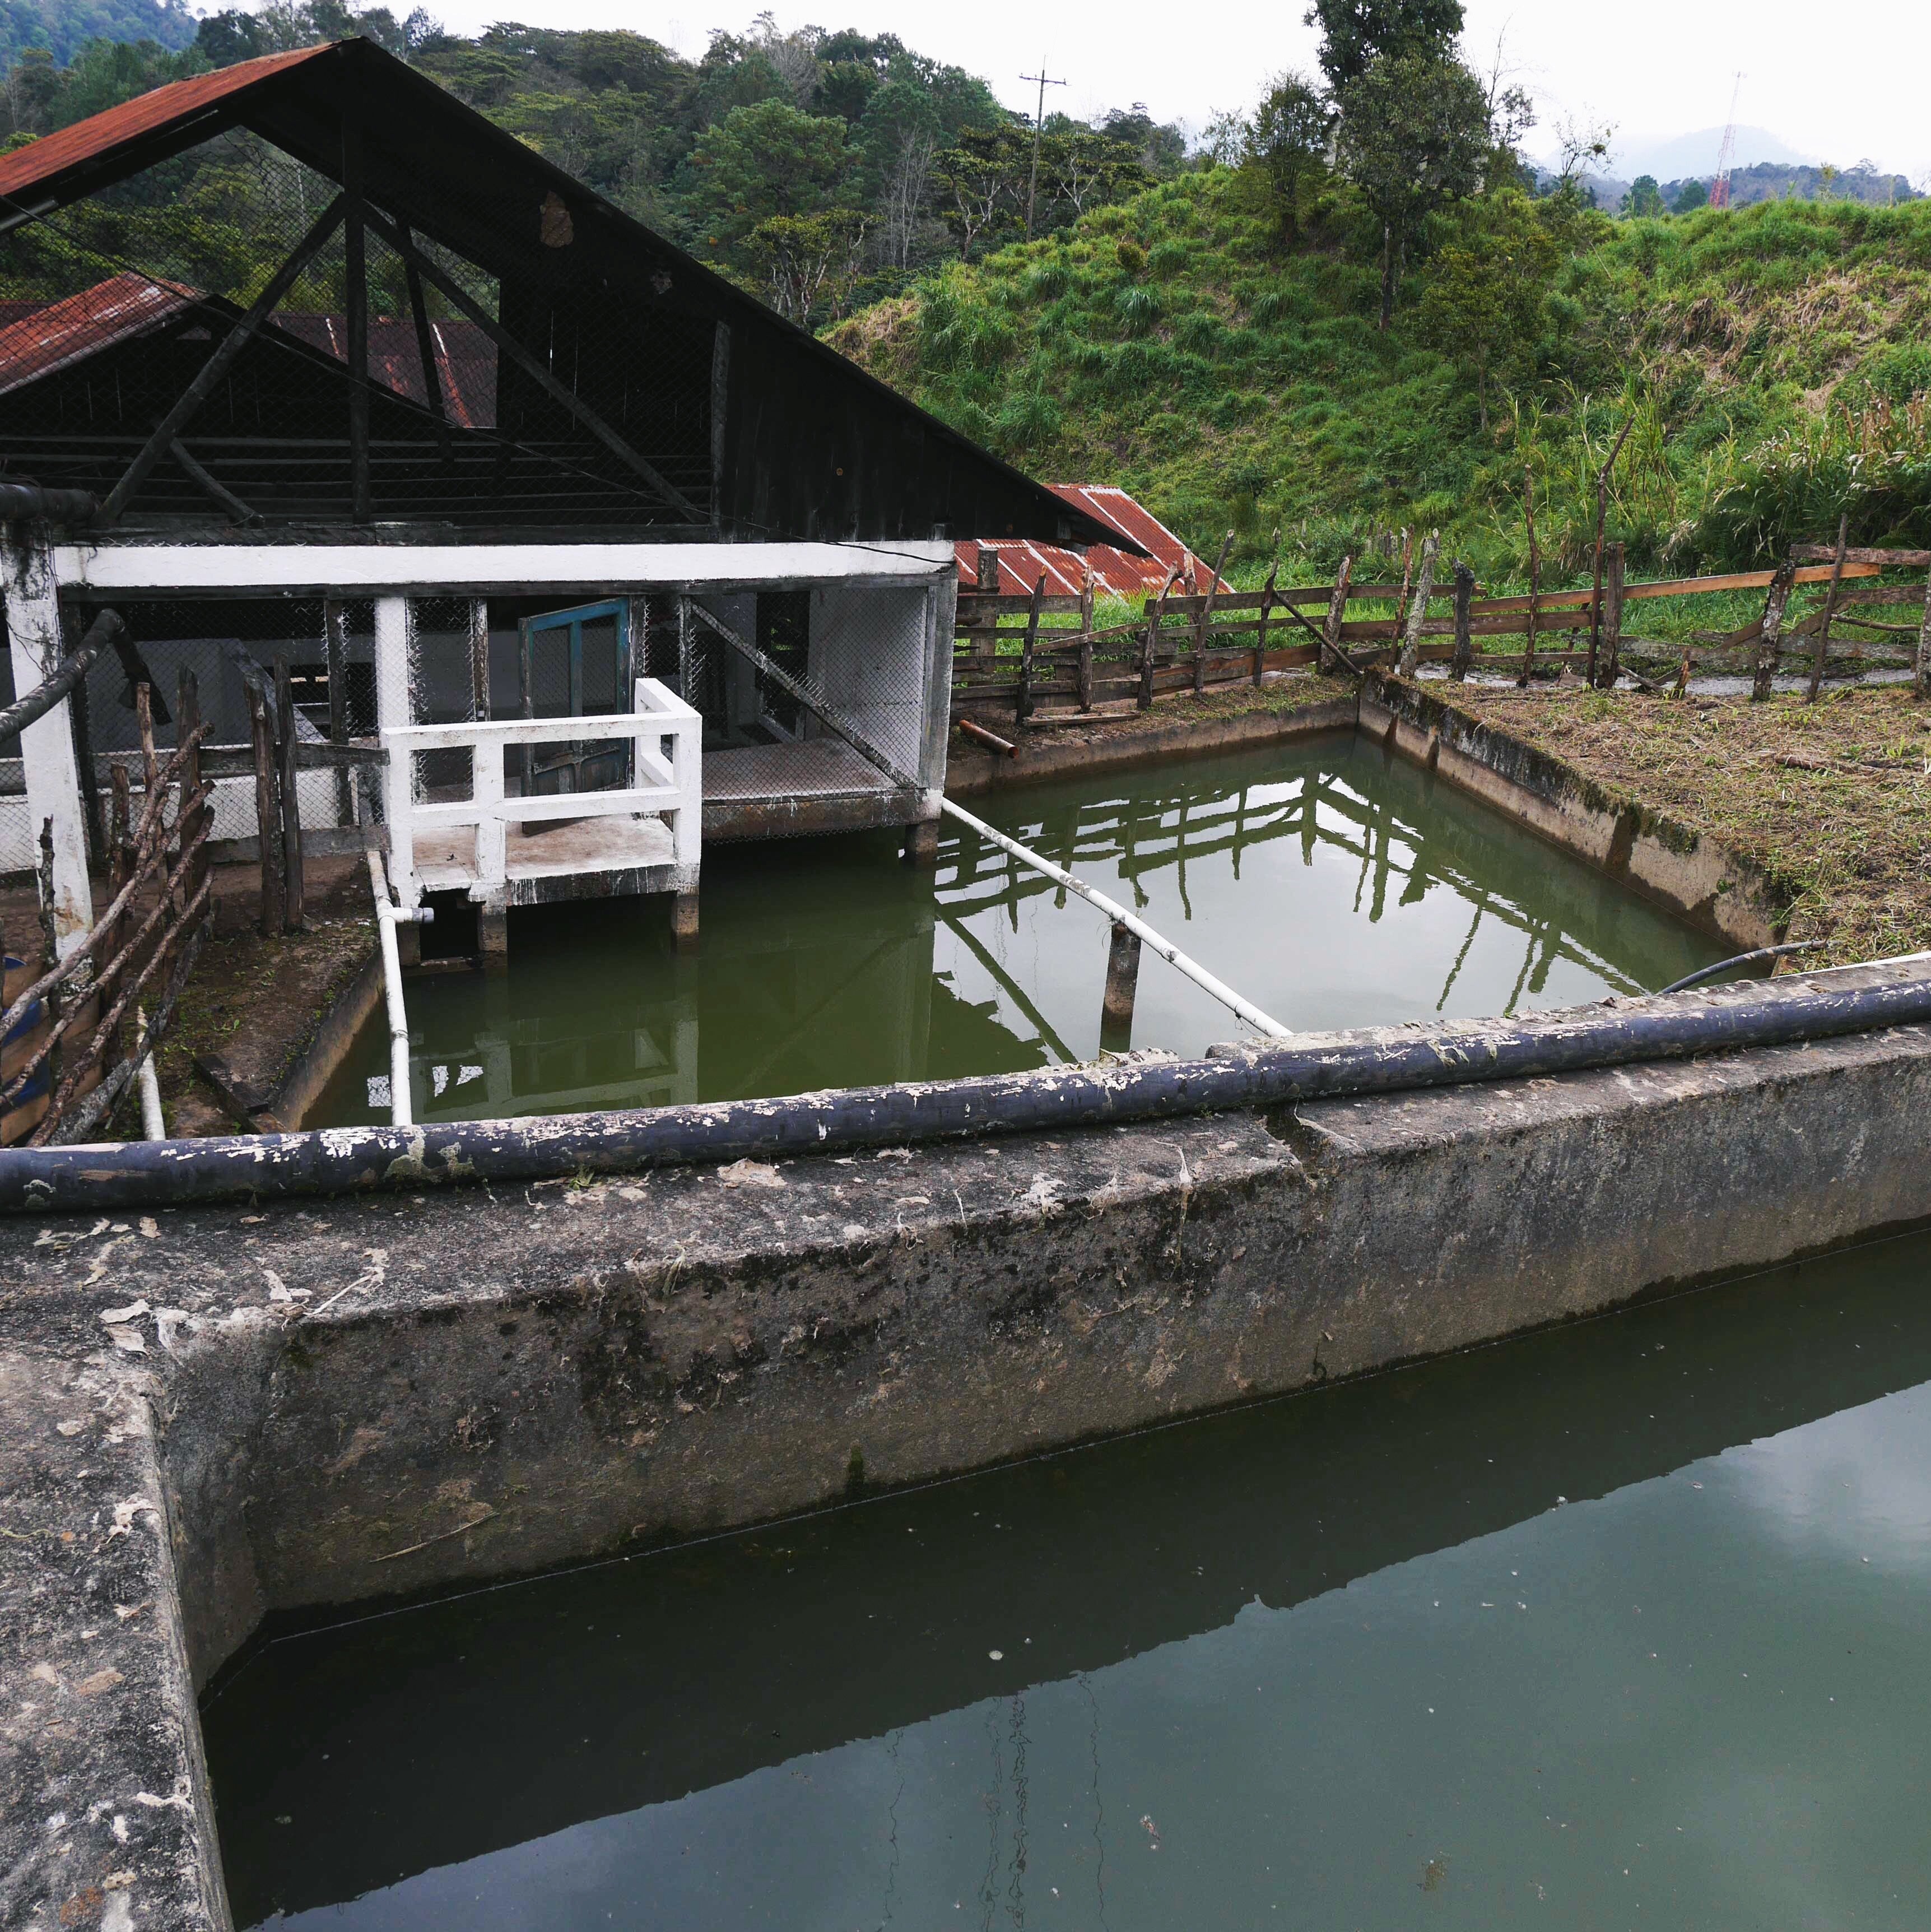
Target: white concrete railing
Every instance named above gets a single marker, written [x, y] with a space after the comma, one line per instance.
[666, 737]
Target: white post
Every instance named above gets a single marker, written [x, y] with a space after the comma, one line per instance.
[386, 917]
[46, 746]
[392, 713]
[486, 794]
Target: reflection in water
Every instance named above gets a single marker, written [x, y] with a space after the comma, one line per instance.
[1330, 884]
[1620, 1625]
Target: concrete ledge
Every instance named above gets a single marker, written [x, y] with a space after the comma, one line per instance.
[1067, 751]
[1726, 894]
[105, 1814]
[346, 1400]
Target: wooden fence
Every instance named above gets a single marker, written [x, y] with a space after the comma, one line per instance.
[1007, 658]
[73, 1034]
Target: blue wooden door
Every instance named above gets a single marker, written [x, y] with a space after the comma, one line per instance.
[576, 663]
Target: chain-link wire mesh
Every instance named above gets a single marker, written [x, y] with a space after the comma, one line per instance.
[212, 638]
[863, 654]
[859, 655]
[111, 307]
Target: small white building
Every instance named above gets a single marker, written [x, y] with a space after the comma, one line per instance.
[539, 468]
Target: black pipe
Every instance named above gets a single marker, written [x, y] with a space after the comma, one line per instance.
[137, 1174]
[55, 506]
[106, 629]
[1696, 979]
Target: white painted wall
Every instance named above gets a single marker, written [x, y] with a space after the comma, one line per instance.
[46, 746]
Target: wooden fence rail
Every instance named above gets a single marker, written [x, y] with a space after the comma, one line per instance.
[1004, 659]
[71, 1050]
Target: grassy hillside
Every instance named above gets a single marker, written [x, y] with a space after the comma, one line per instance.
[1775, 357]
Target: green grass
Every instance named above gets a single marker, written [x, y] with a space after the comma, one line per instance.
[1775, 357]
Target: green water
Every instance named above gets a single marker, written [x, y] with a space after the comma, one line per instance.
[1331, 884]
[1623, 1625]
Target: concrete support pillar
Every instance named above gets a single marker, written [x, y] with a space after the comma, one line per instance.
[684, 920]
[52, 772]
[922, 842]
[493, 936]
[1122, 983]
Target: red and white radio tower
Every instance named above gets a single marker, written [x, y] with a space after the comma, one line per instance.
[1726, 155]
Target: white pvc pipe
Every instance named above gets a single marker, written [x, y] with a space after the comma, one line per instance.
[386, 918]
[1260, 1022]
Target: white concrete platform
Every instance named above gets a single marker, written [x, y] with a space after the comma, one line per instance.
[556, 859]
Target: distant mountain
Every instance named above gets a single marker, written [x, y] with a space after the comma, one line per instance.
[1681, 156]
[1774, 181]
[61, 26]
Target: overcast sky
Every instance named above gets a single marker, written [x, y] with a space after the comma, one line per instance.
[1654, 67]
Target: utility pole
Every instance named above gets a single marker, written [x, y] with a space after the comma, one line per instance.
[1038, 130]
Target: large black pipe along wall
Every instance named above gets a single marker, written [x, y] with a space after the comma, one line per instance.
[139, 1174]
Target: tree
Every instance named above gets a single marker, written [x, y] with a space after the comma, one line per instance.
[808, 263]
[982, 179]
[1644, 197]
[761, 162]
[1414, 135]
[1289, 140]
[1080, 169]
[1161, 149]
[1487, 298]
[1690, 197]
[1354, 33]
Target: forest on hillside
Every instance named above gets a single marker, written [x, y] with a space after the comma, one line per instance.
[1368, 313]
[1355, 308]
[821, 170]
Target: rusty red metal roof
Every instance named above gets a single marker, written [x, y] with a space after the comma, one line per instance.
[1116, 573]
[38, 338]
[466, 360]
[51, 335]
[174, 106]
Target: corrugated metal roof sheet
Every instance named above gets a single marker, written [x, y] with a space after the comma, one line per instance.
[52, 334]
[1116, 573]
[179, 102]
[466, 361]
[38, 338]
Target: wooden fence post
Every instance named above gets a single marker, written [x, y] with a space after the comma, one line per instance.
[1611, 666]
[1022, 705]
[1337, 605]
[335, 645]
[1770, 641]
[479, 659]
[268, 820]
[1261, 628]
[191, 816]
[1823, 643]
[1535, 583]
[1602, 524]
[1465, 635]
[1204, 618]
[1923, 647]
[1418, 610]
[289, 797]
[1156, 609]
[1086, 669]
